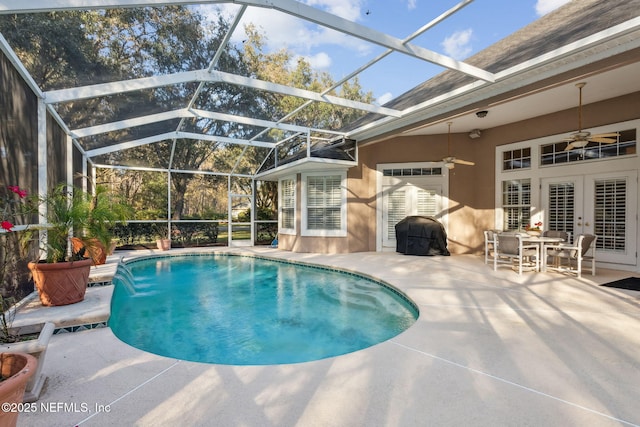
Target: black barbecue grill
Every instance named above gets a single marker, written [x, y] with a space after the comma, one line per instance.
[421, 235]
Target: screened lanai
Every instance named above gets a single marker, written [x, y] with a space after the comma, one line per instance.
[171, 89]
[188, 96]
[189, 91]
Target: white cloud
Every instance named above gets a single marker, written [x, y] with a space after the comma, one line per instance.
[348, 9]
[411, 4]
[285, 31]
[458, 44]
[384, 98]
[545, 6]
[319, 61]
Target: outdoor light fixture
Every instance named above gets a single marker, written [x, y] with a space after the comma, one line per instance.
[482, 114]
[475, 134]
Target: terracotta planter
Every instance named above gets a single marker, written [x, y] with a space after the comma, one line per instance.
[164, 244]
[17, 368]
[93, 248]
[112, 248]
[37, 348]
[61, 283]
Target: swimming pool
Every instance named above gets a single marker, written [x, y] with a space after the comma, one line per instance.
[245, 310]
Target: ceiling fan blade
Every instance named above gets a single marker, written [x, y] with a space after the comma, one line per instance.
[569, 147]
[463, 162]
[606, 135]
[597, 138]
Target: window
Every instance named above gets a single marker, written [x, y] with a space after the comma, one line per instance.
[553, 154]
[516, 203]
[516, 159]
[413, 172]
[287, 205]
[324, 210]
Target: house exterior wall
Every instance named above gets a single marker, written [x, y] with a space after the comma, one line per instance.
[472, 189]
[358, 212]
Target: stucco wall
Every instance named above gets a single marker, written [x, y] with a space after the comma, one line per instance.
[298, 243]
[471, 188]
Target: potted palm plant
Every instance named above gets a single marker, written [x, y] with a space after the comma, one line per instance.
[105, 211]
[162, 240]
[61, 277]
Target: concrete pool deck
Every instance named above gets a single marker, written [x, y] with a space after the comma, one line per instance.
[489, 348]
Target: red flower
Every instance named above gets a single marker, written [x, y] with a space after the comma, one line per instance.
[21, 193]
[535, 227]
[6, 225]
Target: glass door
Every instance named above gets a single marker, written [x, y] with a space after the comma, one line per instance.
[406, 200]
[599, 204]
[612, 202]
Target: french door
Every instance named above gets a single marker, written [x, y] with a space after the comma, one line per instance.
[404, 200]
[600, 204]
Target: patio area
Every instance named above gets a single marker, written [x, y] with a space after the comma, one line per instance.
[489, 348]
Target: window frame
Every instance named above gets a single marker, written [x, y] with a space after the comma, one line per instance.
[281, 204]
[342, 231]
[522, 205]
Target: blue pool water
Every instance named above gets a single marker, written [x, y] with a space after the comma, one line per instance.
[240, 310]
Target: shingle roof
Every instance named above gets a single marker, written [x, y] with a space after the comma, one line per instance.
[569, 23]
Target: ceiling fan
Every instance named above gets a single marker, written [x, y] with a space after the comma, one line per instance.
[450, 161]
[581, 138]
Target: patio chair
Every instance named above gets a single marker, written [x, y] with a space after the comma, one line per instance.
[511, 248]
[571, 257]
[489, 244]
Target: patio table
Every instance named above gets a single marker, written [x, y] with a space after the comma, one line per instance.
[541, 240]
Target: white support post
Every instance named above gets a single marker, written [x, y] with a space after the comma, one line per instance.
[69, 161]
[169, 203]
[93, 182]
[229, 211]
[85, 160]
[253, 212]
[69, 170]
[42, 166]
[169, 169]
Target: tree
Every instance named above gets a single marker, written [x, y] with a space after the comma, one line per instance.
[85, 47]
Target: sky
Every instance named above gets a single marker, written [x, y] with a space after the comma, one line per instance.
[475, 27]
